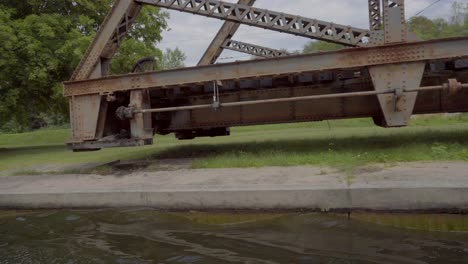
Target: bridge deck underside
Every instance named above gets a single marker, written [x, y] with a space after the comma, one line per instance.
[301, 111]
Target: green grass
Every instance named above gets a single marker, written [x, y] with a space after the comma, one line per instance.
[341, 144]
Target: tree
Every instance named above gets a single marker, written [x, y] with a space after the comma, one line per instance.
[172, 59]
[459, 13]
[321, 46]
[44, 40]
[455, 25]
[425, 28]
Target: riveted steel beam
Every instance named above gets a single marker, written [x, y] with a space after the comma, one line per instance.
[226, 32]
[397, 108]
[88, 113]
[349, 58]
[252, 49]
[395, 27]
[114, 28]
[299, 98]
[263, 18]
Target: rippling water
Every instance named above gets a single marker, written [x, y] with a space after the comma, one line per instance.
[151, 237]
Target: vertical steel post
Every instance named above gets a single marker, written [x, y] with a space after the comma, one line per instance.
[398, 108]
[141, 124]
[88, 113]
[394, 21]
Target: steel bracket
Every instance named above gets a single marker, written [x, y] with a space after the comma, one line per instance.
[216, 99]
[397, 108]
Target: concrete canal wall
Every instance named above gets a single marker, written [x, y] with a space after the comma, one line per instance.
[432, 186]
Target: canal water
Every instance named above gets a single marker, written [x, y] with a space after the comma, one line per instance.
[145, 236]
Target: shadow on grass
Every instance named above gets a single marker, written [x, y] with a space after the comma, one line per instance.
[359, 144]
[316, 146]
[31, 149]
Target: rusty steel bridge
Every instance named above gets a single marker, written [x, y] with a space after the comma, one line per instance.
[386, 73]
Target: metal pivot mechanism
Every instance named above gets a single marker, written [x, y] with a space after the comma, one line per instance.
[385, 73]
[216, 99]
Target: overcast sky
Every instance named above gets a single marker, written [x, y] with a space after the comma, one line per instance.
[192, 33]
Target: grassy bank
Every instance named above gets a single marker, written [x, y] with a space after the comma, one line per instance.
[342, 144]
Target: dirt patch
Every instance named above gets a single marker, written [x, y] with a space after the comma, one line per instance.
[117, 167]
[369, 169]
[123, 168]
[130, 167]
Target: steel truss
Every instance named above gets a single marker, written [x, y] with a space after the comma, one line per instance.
[382, 78]
[286, 23]
[223, 40]
[254, 50]
[226, 32]
[115, 27]
[375, 15]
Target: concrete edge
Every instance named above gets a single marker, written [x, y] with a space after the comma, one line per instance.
[378, 199]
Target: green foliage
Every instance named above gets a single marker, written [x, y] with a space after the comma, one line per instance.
[456, 25]
[321, 46]
[42, 41]
[141, 44]
[129, 53]
[423, 27]
[342, 144]
[172, 59]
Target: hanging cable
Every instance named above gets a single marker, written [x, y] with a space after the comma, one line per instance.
[427, 7]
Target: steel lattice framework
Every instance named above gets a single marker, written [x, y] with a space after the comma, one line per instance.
[254, 50]
[375, 15]
[257, 17]
[116, 26]
[226, 32]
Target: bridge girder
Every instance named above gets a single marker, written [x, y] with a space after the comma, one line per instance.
[389, 54]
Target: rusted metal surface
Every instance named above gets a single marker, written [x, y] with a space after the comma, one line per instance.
[430, 100]
[453, 86]
[391, 76]
[397, 107]
[84, 122]
[141, 124]
[114, 28]
[88, 116]
[440, 49]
